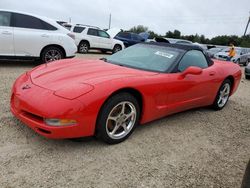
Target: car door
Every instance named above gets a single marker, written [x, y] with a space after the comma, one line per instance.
[124, 37]
[192, 90]
[30, 35]
[6, 34]
[93, 38]
[105, 41]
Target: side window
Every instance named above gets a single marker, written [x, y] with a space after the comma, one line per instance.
[30, 22]
[124, 35]
[78, 29]
[193, 58]
[47, 26]
[92, 32]
[103, 34]
[5, 18]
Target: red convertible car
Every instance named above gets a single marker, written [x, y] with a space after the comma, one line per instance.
[109, 97]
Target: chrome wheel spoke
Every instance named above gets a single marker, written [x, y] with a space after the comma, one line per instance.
[125, 128]
[114, 130]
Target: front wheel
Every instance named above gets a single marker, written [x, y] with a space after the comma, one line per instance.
[50, 54]
[117, 48]
[118, 118]
[222, 95]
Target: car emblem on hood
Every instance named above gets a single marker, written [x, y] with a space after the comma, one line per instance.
[26, 87]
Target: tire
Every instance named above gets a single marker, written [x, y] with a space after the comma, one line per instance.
[118, 118]
[83, 47]
[117, 48]
[104, 51]
[222, 95]
[247, 77]
[50, 54]
[238, 61]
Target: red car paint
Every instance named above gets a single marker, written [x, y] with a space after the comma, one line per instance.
[77, 89]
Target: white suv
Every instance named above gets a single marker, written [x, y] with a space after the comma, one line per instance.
[25, 36]
[89, 37]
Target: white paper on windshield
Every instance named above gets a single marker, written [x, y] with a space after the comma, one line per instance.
[164, 54]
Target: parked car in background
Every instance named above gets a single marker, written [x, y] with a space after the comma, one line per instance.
[243, 57]
[212, 51]
[91, 37]
[178, 41]
[247, 71]
[27, 36]
[129, 38]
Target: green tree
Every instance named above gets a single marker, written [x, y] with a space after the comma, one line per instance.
[139, 29]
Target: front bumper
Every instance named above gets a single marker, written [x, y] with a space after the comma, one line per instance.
[32, 105]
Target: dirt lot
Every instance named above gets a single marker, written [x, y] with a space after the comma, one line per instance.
[197, 148]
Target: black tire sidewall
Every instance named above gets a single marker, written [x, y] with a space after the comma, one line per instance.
[48, 49]
[101, 132]
[215, 104]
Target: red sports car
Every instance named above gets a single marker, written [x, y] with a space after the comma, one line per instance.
[109, 97]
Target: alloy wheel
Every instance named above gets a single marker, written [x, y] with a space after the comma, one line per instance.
[121, 120]
[52, 55]
[224, 95]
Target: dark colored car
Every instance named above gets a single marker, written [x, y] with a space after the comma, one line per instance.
[247, 71]
[129, 38]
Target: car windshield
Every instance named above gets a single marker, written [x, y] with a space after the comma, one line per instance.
[146, 57]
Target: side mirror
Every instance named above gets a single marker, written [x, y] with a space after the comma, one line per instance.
[191, 70]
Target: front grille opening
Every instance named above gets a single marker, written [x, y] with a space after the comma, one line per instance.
[43, 131]
[32, 116]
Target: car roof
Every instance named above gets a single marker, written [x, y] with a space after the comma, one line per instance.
[49, 20]
[185, 47]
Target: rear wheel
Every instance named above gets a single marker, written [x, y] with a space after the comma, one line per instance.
[52, 53]
[117, 48]
[222, 95]
[118, 118]
[247, 77]
[83, 47]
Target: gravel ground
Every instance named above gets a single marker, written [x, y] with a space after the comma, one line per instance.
[197, 148]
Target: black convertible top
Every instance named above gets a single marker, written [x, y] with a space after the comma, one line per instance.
[185, 47]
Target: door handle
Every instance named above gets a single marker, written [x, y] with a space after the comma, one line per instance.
[6, 33]
[45, 35]
[212, 73]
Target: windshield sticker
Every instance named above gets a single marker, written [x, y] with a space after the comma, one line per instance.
[164, 54]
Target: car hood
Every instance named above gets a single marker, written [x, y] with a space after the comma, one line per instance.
[113, 32]
[57, 75]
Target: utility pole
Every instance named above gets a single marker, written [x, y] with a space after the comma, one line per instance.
[69, 19]
[247, 25]
[109, 21]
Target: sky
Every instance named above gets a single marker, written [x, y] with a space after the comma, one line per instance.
[207, 17]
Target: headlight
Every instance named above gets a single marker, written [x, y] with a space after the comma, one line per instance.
[60, 122]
